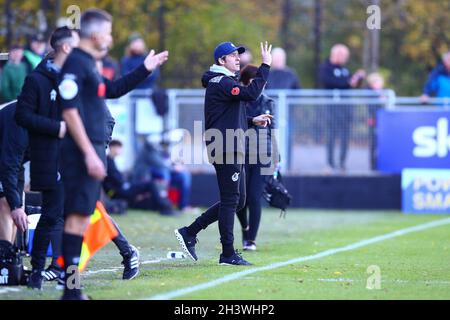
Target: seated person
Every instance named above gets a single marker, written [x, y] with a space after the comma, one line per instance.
[143, 195]
[157, 164]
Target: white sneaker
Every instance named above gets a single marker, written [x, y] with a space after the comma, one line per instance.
[249, 245]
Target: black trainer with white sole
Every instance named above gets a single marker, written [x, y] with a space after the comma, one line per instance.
[52, 273]
[235, 260]
[131, 264]
[187, 242]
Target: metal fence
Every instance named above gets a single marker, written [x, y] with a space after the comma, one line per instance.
[308, 123]
[319, 131]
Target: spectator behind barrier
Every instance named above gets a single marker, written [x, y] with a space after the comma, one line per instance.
[281, 76]
[141, 195]
[14, 74]
[35, 52]
[438, 83]
[245, 58]
[154, 163]
[334, 75]
[135, 55]
[375, 82]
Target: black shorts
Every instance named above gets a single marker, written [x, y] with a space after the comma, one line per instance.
[81, 191]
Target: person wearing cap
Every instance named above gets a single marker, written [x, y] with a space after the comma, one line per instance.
[35, 53]
[224, 112]
[14, 74]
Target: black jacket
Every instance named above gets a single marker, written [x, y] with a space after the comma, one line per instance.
[283, 79]
[14, 142]
[223, 108]
[263, 105]
[334, 76]
[38, 112]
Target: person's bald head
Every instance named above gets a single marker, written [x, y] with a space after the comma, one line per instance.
[339, 54]
[446, 60]
[278, 58]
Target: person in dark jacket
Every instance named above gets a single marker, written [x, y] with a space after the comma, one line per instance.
[281, 76]
[13, 138]
[224, 112]
[136, 54]
[258, 152]
[438, 82]
[38, 112]
[334, 75]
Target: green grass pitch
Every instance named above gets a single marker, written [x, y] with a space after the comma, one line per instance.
[411, 266]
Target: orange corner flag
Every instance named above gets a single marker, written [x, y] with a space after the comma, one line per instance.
[98, 234]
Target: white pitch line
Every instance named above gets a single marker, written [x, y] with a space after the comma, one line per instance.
[353, 246]
[91, 272]
[7, 290]
[438, 282]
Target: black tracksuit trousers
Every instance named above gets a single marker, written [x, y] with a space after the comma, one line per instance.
[231, 181]
[49, 228]
[255, 186]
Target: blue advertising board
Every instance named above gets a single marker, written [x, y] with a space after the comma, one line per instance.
[426, 191]
[413, 138]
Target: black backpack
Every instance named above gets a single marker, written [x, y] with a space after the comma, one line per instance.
[276, 193]
[12, 271]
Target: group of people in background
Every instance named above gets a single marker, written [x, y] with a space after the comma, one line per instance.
[333, 74]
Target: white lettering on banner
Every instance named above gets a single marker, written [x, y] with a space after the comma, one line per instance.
[432, 141]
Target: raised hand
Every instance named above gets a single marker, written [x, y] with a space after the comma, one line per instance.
[152, 61]
[266, 53]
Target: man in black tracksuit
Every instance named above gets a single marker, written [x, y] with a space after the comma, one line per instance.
[224, 112]
[12, 215]
[83, 159]
[38, 112]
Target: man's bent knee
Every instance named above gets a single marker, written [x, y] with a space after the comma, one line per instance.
[76, 224]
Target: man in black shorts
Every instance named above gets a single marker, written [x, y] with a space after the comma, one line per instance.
[83, 157]
[38, 111]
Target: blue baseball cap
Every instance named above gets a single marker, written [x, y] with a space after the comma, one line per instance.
[226, 48]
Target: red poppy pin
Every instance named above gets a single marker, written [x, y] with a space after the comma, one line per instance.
[101, 90]
[235, 91]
